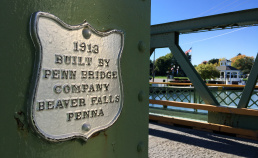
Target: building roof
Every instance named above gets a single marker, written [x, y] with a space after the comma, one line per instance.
[221, 68]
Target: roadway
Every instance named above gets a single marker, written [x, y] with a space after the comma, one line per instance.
[171, 141]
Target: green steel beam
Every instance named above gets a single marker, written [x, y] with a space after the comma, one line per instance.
[161, 40]
[151, 50]
[128, 136]
[167, 35]
[190, 71]
[171, 40]
[208, 23]
[249, 88]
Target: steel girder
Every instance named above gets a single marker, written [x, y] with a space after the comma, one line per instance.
[167, 35]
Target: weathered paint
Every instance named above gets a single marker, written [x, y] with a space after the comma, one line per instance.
[17, 59]
[234, 120]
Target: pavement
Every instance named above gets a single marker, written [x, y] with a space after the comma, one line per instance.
[170, 141]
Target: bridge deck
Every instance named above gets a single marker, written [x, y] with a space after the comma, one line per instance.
[170, 141]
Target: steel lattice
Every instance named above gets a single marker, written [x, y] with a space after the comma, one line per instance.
[224, 97]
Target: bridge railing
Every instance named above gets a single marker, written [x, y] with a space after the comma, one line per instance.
[172, 95]
[167, 35]
[185, 92]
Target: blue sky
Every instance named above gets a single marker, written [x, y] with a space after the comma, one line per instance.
[207, 45]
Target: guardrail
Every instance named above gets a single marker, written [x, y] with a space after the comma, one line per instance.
[239, 132]
[170, 96]
[209, 127]
[240, 111]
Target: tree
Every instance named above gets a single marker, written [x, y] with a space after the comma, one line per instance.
[243, 63]
[151, 67]
[213, 61]
[204, 62]
[207, 71]
[163, 64]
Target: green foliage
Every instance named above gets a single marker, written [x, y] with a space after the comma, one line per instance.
[181, 78]
[163, 64]
[161, 77]
[207, 71]
[151, 67]
[213, 61]
[243, 63]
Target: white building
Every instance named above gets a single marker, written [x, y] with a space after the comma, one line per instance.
[228, 73]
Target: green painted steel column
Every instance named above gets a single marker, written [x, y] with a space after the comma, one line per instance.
[128, 136]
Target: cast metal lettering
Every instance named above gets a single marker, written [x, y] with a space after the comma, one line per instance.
[77, 84]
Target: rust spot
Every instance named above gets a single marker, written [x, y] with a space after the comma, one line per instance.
[19, 117]
[20, 113]
[105, 134]
[20, 125]
[95, 134]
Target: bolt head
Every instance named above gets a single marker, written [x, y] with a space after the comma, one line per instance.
[141, 46]
[141, 96]
[85, 127]
[86, 33]
[140, 147]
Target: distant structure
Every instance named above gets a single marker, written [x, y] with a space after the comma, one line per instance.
[228, 73]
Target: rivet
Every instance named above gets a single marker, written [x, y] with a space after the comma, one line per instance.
[141, 96]
[86, 33]
[141, 46]
[85, 127]
[140, 147]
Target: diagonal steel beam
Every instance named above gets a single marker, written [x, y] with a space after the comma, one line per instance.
[250, 85]
[191, 73]
[171, 40]
[167, 35]
[220, 21]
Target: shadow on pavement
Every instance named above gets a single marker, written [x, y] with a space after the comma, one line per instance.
[221, 143]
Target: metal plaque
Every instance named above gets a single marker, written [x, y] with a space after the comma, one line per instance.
[77, 86]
